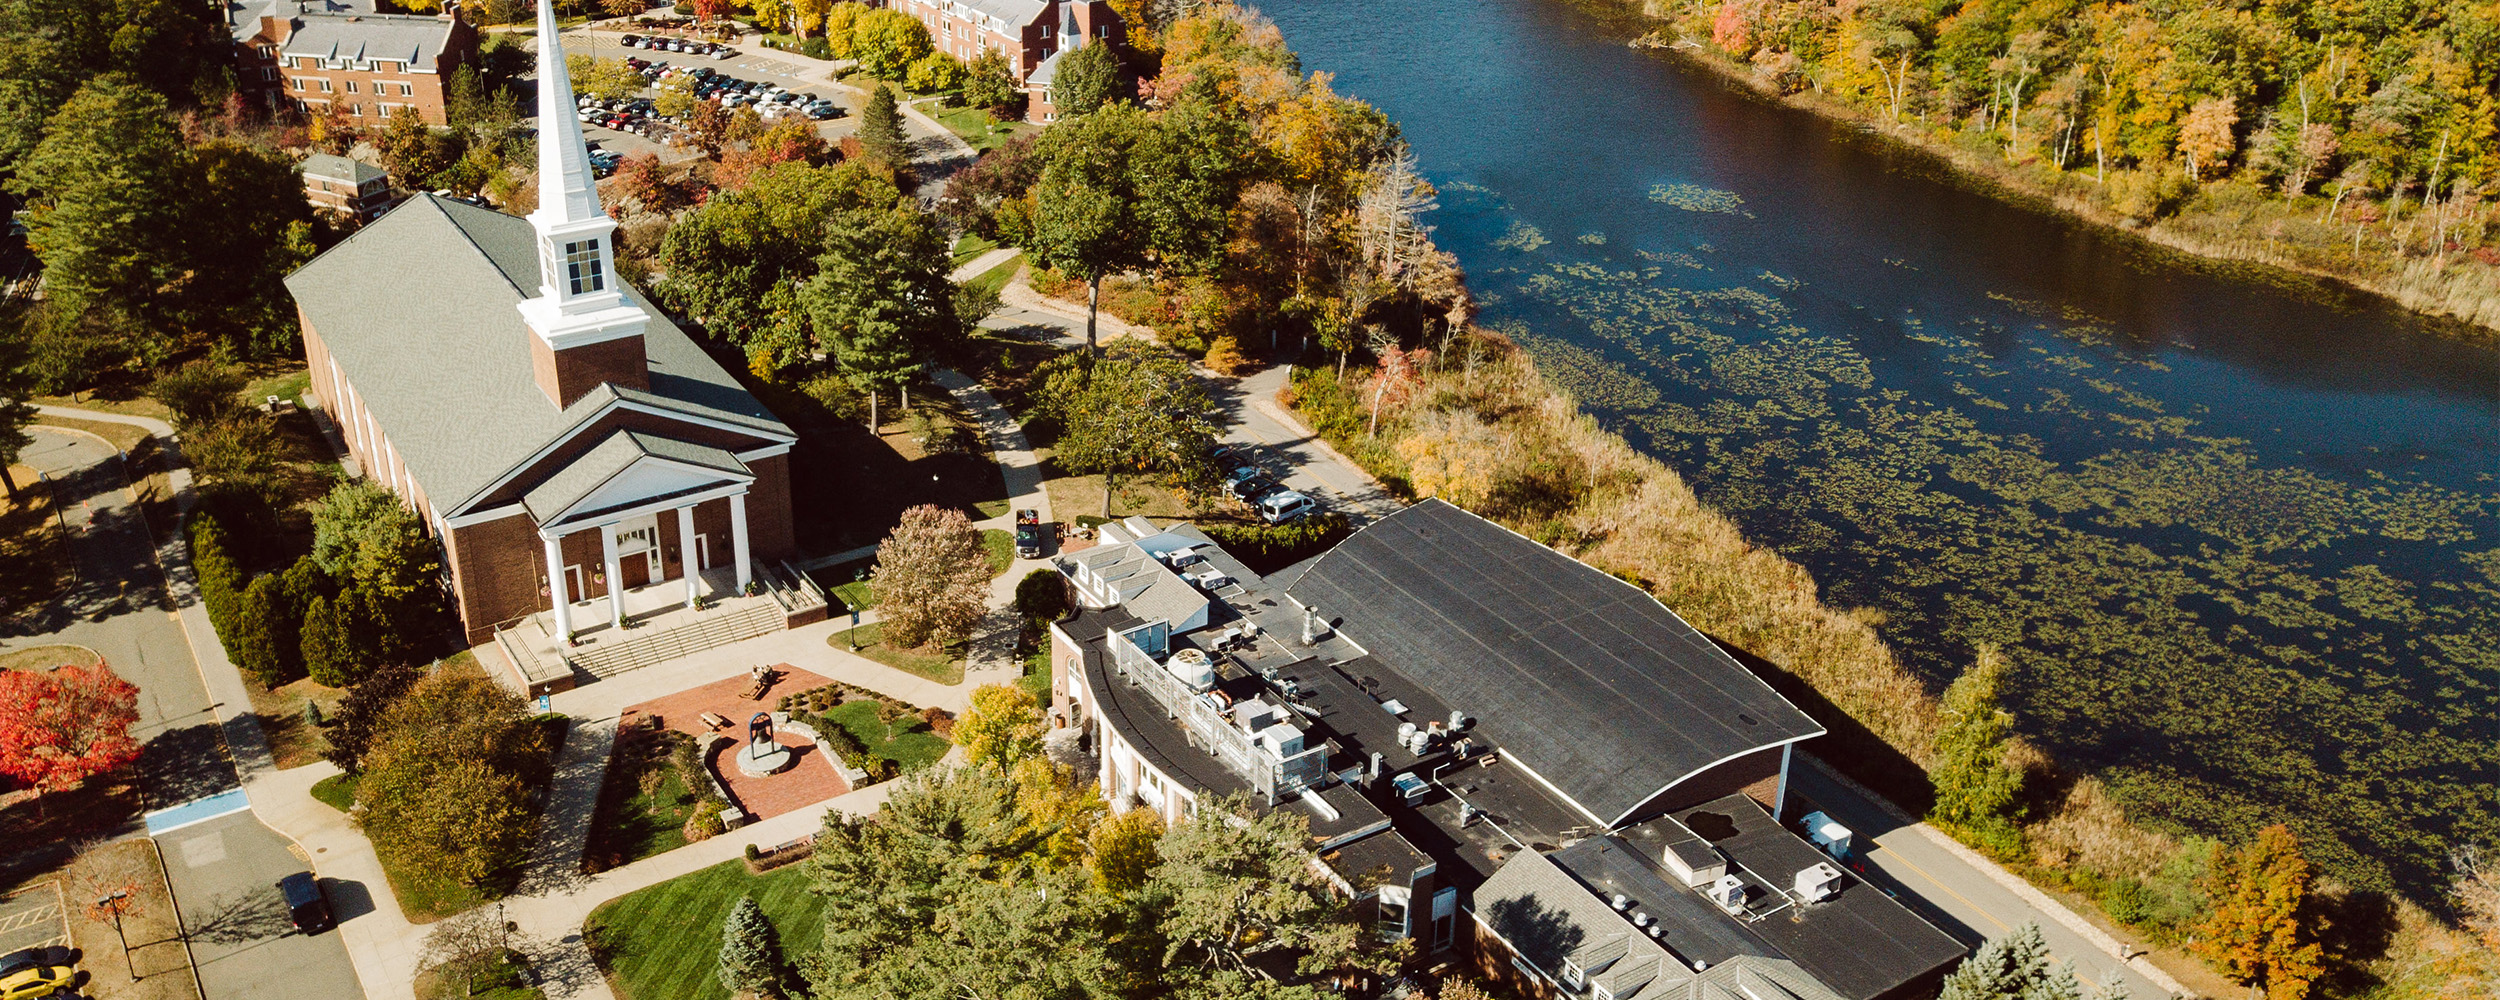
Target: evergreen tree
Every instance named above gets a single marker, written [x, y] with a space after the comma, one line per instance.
[219, 579]
[2256, 931]
[329, 646]
[269, 626]
[751, 961]
[17, 382]
[880, 301]
[102, 184]
[2014, 967]
[1976, 793]
[880, 133]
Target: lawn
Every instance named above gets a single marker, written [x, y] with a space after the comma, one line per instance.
[971, 245]
[1000, 547]
[293, 741]
[287, 386]
[908, 742]
[643, 805]
[1036, 679]
[847, 583]
[974, 125]
[850, 488]
[337, 791]
[1078, 499]
[944, 667]
[663, 942]
[47, 657]
[506, 980]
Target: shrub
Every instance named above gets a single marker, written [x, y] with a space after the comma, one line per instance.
[1042, 595]
[1266, 548]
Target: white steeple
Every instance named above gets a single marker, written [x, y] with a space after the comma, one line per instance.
[579, 300]
[1071, 38]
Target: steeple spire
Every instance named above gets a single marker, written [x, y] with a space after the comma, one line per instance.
[566, 188]
[587, 330]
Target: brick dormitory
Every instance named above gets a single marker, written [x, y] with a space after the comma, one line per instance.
[1503, 754]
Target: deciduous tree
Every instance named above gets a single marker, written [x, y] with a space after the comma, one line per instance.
[353, 725]
[932, 578]
[736, 262]
[1124, 850]
[2258, 931]
[1236, 884]
[200, 393]
[1003, 728]
[1085, 222]
[62, 726]
[989, 83]
[448, 777]
[1088, 79]
[887, 42]
[1136, 410]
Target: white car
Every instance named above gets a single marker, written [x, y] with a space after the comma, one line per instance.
[1286, 505]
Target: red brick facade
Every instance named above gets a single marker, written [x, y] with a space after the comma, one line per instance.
[621, 361]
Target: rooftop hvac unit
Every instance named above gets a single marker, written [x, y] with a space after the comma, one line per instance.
[1193, 667]
[1418, 742]
[1406, 731]
[1693, 860]
[1254, 715]
[1282, 740]
[1729, 893]
[1458, 720]
[1832, 838]
[1818, 883]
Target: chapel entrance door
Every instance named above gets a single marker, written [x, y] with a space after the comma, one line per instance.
[638, 552]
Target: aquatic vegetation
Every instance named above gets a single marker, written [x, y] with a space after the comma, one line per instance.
[1696, 198]
[1593, 239]
[1523, 238]
[2225, 640]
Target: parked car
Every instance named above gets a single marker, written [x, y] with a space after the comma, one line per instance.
[1286, 505]
[306, 907]
[1254, 488]
[27, 980]
[1029, 534]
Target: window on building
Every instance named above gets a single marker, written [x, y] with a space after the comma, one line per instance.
[1572, 976]
[407, 90]
[357, 110]
[1601, 993]
[351, 86]
[582, 267]
[380, 88]
[268, 74]
[325, 85]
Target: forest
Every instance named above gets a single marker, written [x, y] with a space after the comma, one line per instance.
[2357, 139]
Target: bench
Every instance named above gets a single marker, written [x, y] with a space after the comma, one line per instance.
[715, 720]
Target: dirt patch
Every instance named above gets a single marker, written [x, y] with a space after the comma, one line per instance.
[293, 739]
[156, 954]
[48, 657]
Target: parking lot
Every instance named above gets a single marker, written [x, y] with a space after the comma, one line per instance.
[33, 917]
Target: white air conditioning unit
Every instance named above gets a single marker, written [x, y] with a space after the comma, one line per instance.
[1729, 893]
[1832, 838]
[1818, 883]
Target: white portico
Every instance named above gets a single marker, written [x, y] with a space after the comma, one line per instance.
[621, 488]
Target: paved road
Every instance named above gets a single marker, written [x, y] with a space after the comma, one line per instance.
[1958, 898]
[1299, 460]
[224, 872]
[119, 608]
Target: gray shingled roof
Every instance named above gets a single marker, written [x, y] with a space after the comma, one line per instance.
[341, 168]
[418, 310]
[1547, 916]
[1584, 678]
[585, 474]
[243, 16]
[415, 40]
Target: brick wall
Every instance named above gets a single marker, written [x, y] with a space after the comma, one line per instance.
[771, 533]
[565, 375]
[497, 573]
[402, 87]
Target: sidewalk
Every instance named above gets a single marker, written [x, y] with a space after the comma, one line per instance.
[992, 659]
[982, 264]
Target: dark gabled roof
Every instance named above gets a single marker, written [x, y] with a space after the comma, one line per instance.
[418, 309]
[1584, 678]
[330, 167]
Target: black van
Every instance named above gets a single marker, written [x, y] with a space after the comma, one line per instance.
[306, 907]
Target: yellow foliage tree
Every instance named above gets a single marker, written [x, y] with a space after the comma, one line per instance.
[2255, 932]
[1453, 455]
[1003, 727]
[1126, 849]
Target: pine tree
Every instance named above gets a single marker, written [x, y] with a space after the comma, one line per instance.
[2255, 931]
[2014, 967]
[751, 962]
[254, 644]
[881, 131]
[1976, 793]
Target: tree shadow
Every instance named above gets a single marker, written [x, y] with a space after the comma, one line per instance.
[1847, 745]
[241, 917]
[1541, 934]
[186, 763]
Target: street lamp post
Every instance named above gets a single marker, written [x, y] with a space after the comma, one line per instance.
[115, 902]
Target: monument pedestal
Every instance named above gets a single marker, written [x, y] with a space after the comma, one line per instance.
[756, 760]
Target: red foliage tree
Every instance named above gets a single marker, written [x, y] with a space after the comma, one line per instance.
[62, 727]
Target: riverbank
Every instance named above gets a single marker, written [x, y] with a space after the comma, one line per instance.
[2236, 227]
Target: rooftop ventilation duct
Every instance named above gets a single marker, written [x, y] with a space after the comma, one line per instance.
[1729, 893]
[1193, 667]
[1313, 629]
[1621, 902]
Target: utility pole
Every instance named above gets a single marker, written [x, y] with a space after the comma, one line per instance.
[116, 902]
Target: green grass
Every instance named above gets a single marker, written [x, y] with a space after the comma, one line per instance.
[662, 943]
[337, 791]
[290, 386]
[1000, 546]
[997, 277]
[633, 825]
[855, 594]
[943, 667]
[1036, 679]
[503, 981]
[914, 745]
[971, 245]
[974, 125]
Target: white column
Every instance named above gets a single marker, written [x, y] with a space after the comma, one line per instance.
[738, 536]
[555, 585]
[1779, 799]
[686, 557]
[616, 594]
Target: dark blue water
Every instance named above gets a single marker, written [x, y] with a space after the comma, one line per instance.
[2240, 534]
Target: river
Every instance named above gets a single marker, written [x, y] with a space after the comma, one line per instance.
[2241, 539]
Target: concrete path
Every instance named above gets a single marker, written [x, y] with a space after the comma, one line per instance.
[196, 720]
[1024, 309]
[992, 658]
[982, 264]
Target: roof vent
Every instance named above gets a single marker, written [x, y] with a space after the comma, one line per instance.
[1622, 902]
[1640, 919]
[1657, 931]
[1313, 629]
[1729, 893]
[1458, 720]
